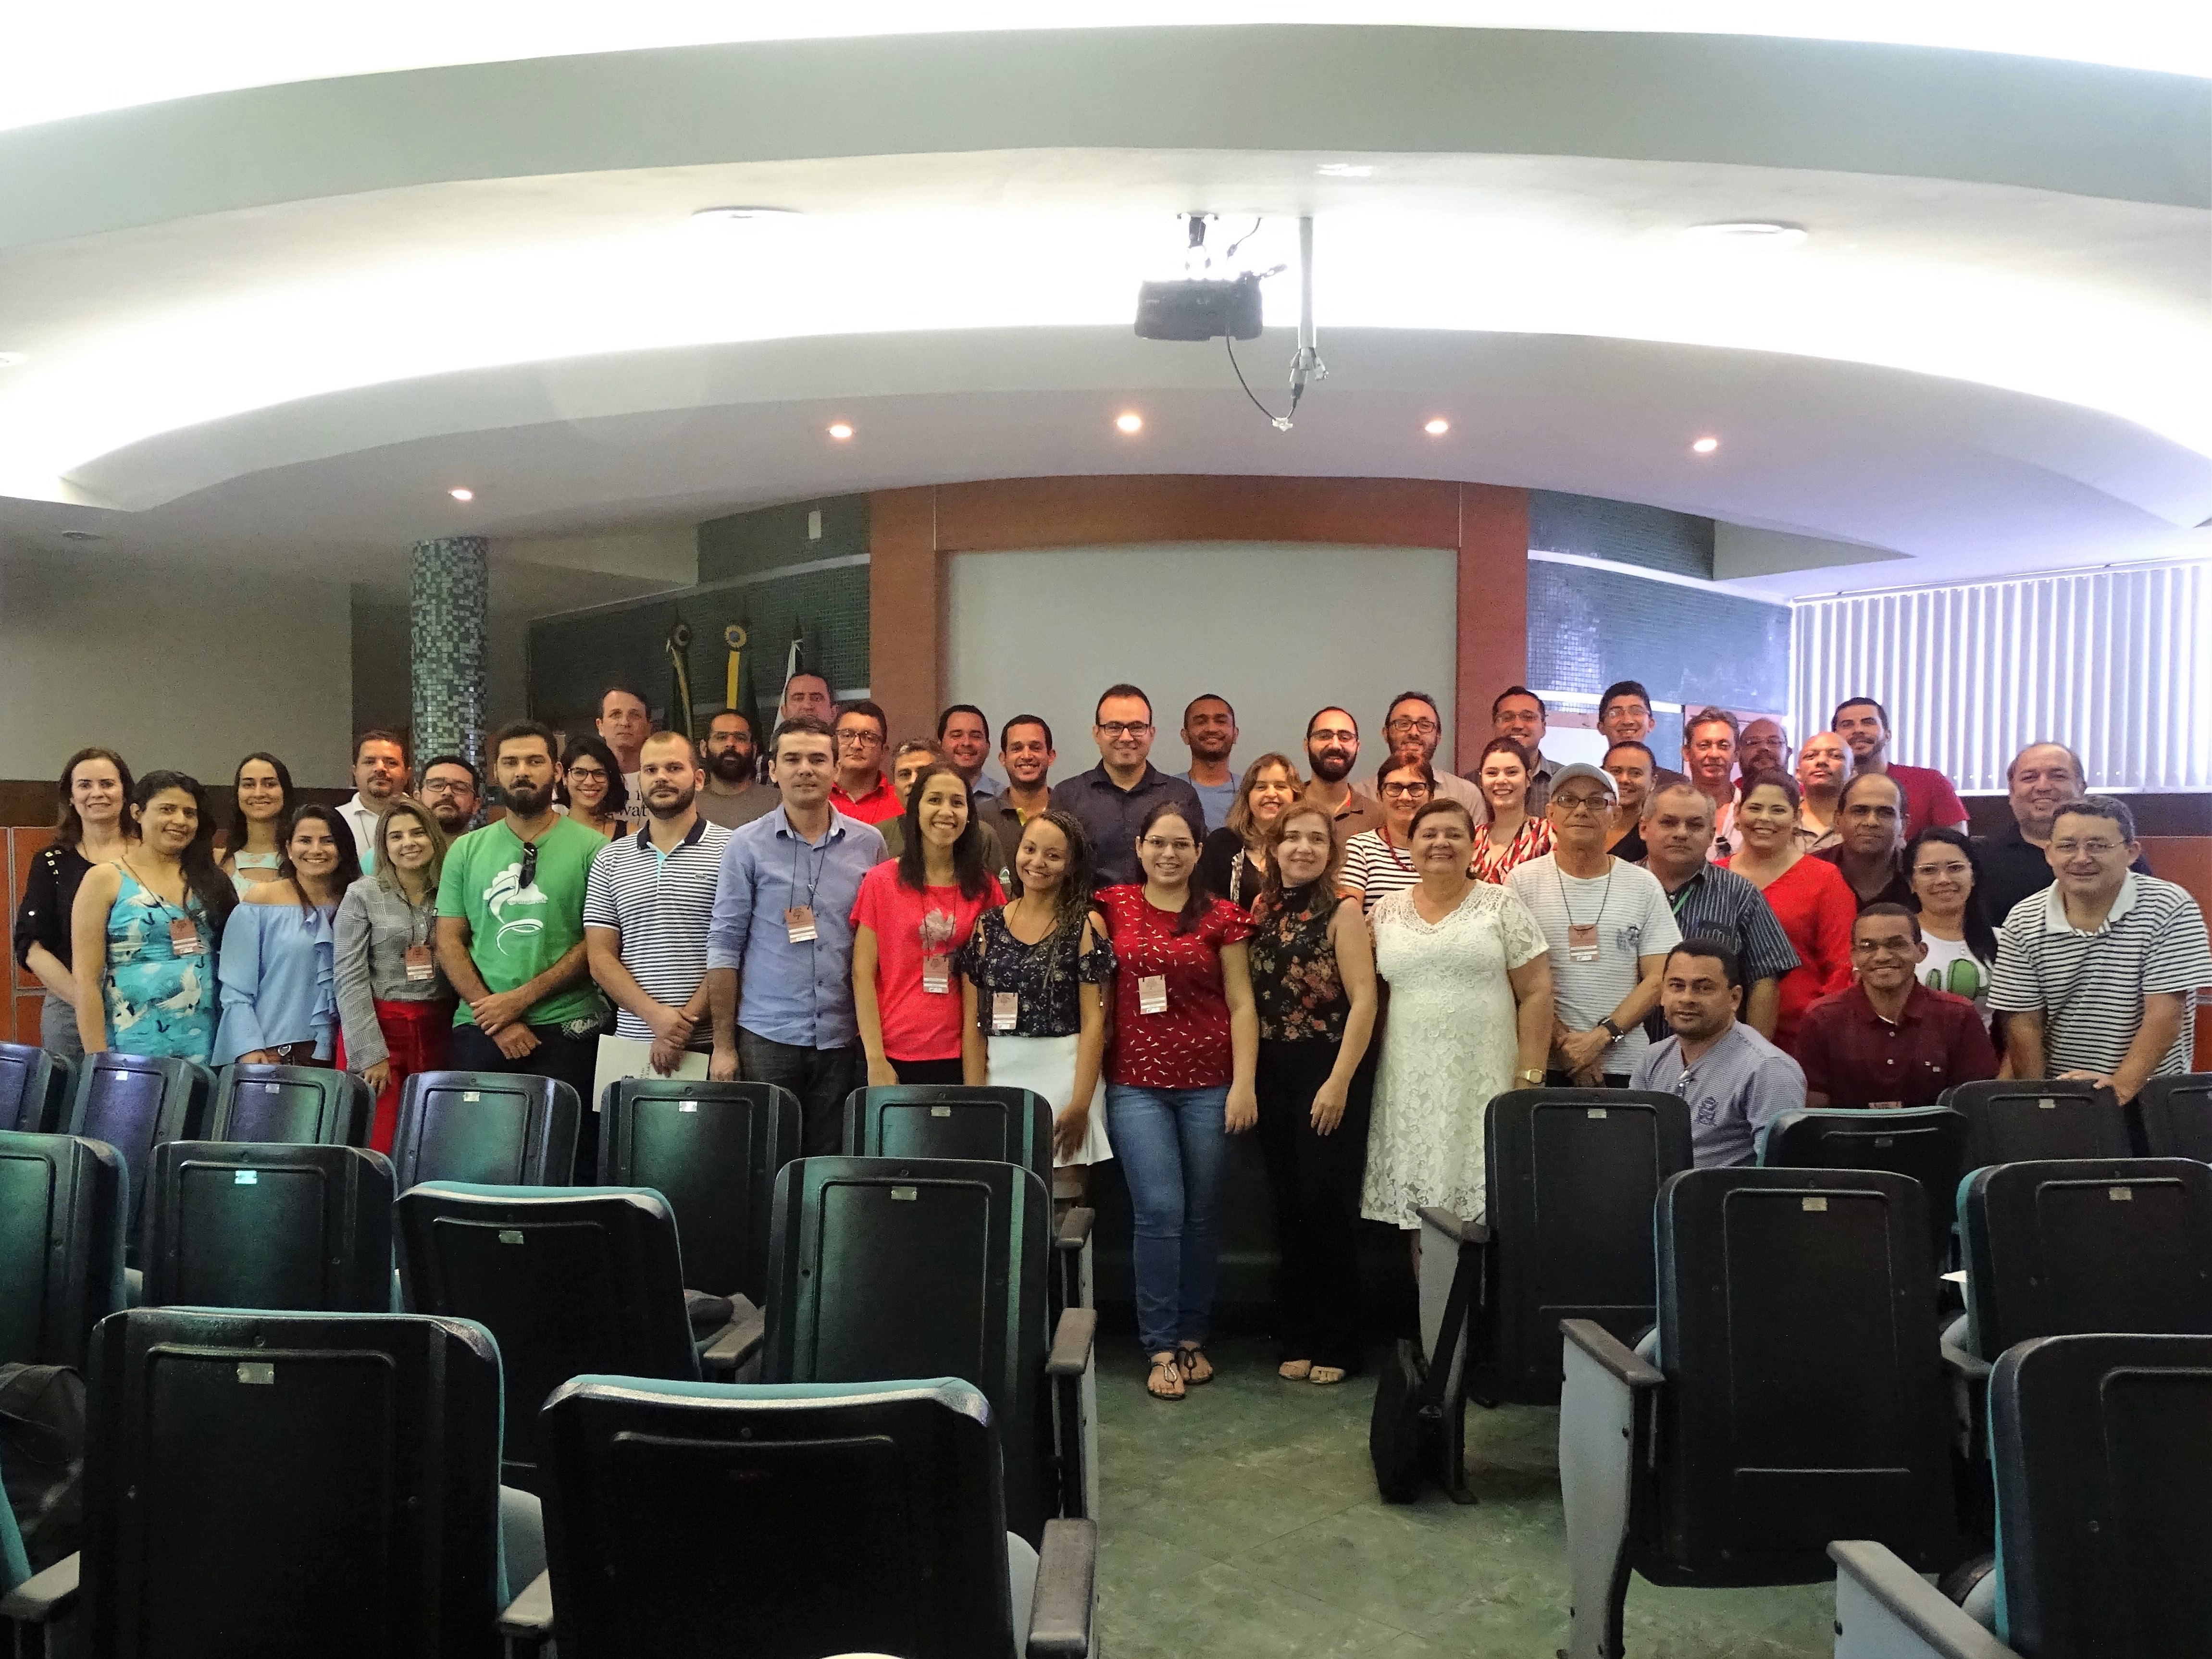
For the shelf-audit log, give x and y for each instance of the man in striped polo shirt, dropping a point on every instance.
(646, 903)
(2098, 973)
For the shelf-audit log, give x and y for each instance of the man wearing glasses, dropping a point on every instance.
(1111, 799)
(862, 791)
(1887, 1039)
(1412, 728)
(2098, 974)
(450, 790)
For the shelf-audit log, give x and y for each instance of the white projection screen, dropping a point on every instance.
(1279, 629)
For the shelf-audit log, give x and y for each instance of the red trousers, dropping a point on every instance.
(416, 1034)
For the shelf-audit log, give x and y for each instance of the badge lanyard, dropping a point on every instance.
(1581, 935)
(421, 965)
(798, 919)
(184, 933)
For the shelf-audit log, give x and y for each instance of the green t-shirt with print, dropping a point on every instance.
(516, 931)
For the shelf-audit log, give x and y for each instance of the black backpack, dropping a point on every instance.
(42, 1458)
(1405, 1437)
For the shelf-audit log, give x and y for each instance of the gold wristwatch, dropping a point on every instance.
(1531, 1078)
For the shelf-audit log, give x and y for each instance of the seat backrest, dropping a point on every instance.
(712, 1150)
(34, 1089)
(1928, 1143)
(1013, 1126)
(61, 1245)
(284, 1228)
(882, 1269)
(567, 1279)
(134, 1103)
(2173, 1116)
(495, 1128)
(2103, 1452)
(1804, 1398)
(822, 1520)
(254, 1480)
(1572, 1175)
(2096, 1244)
(307, 1105)
(2013, 1121)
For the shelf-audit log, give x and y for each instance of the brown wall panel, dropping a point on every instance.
(1084, 511)
(906, 611)
(1493, 609)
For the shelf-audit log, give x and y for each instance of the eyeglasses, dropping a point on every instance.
(1416, 787)
(1956, 869)
(1125, 728)
(587, 774)
(1582, 803)
(2095, 849)
(860, 740)
(1154, 844)
(1876, 947)
(1427, 728)
(445, 787)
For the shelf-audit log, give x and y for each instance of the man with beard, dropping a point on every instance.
(1734, 1078)
(1624, 715)
(1209, 731)
(734, 796)
(379, 773)
(2042, 778)
(451, 790)
(1414, 729)
(1929, 799)
(1111, 800)
(510, 932)
(1764, 748)
(645, 908)
(1331, 750)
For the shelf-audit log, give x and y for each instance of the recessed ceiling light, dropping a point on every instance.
(839, 431)
(738, 215)
(1705, 445)
(1748, 233)
(1438, 427)
(1131, 423)
(461, 494)
(1344, 170)
(11, 359)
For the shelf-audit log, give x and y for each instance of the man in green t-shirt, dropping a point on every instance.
(510, 932)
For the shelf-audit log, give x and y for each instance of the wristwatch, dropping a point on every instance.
(1612, 1030)
(1531, 1078)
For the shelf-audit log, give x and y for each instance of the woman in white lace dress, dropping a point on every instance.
(1469, 1017)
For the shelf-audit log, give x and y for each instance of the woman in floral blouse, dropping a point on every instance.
(1508, 836)
(1313, 984)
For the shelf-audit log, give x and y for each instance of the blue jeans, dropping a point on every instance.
(1172, 1144)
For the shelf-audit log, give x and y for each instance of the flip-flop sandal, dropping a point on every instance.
(1326, 1376)
(1196, 1368)
(1172, 1372)
(1295, 1370)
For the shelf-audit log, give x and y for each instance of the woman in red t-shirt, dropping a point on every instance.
(1809, 896)
(1178, 1078)
(911, 916)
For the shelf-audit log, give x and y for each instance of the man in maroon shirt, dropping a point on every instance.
(1889, 1040)
(1929, 799)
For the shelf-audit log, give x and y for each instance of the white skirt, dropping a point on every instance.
(1048, 1065)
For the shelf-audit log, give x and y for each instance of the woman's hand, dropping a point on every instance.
(881, 1074)
(1069, 1128)
(1244, 1109)
(378, 1077)
(1329, 1106)
(258, 1057)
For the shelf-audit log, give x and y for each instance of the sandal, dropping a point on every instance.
(1326, 1376)
(1295, 1370)
(1165, 1382)
(1196, 1368)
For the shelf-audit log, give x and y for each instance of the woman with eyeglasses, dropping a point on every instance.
(1510, 835)
(1178, 1079)
(262, 804)
(1233, 864)
(1946, 874)
(1809, 896)
(395, 1005)
(1380, 862)
(597, 798)
(279, 1004)
(94, 827)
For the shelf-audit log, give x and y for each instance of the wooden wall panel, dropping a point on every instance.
(2188, 859)
(906, 611)
(1493, 610)
(25, 994)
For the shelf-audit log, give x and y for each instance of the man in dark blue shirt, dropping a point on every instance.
(1112, 799)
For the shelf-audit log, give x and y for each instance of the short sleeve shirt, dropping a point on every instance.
(1854, 1057)
(1375, 865)
(659, 903)
(1929, 799)
(1733, 1089)
(517, 930)
(1044, 979)
(1186, 1046)
(1628, 909)
(910, 928)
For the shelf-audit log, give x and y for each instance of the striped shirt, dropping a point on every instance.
(659, 903)
(2090, 987)
(1374, 867)
(1716, 903)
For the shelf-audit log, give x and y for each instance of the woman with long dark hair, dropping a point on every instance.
(1178, 1080)
(94, 827)
(1946, 874)
(143, 930)
(1033, 980)
(262, 805)
(1808, 895)
(279, 978)
(912, 915)
(395, 1006)
(592, 778)
(1509, 835)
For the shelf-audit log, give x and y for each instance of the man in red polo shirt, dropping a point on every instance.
(1929, 799)
(861, 790)
(1889, 1040)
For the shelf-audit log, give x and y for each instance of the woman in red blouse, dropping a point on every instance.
(1809, 896)
(912, 913)
(1178, 1079)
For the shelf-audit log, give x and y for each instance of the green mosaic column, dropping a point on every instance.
(447, 613)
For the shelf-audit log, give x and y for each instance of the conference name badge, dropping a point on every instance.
(420, 967)
(1006, 1010)
(1153, 994)
(1581, 941)
(185, 936)
(937, 974)
(798, 923)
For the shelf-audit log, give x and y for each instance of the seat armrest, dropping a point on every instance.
(736, 1345)
(528, 1618)
(1067, 1591)
(1453, 1227)
(1970, 1367)
(44, 1596)
(1611, 1352)
(1071, 1341)
(1885, 1610)
(1075, 1228)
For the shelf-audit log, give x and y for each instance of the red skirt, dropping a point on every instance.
(417, 1034)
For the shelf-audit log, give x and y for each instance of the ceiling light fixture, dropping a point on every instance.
(462, 494)
(1748, 233)
(1131, 423)
(1704, 446)
(1438, 427)
(13, 359)
(1344, 170)
(839, 431)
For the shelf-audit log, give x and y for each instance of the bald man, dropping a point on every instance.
(2042, 777)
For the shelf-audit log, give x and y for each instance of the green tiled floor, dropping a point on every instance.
(1243, 1524)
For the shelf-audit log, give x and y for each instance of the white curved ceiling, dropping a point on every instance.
(317, 305)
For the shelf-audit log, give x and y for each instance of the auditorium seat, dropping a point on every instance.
(494, 1128)
(34, 1089)
(1794, 1396)
(309, 1105)
(2102, 1448)
(2011, 1122)
(1571, 1176)
(134, 1103)
(280, 1227)
(568, 1281)
(2173, 1116)
(695, 1521)
(62, 1202)
(260, 1483)
(884, 1269)
(1928, 1143)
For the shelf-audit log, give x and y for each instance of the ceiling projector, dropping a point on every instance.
(1199, 308)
